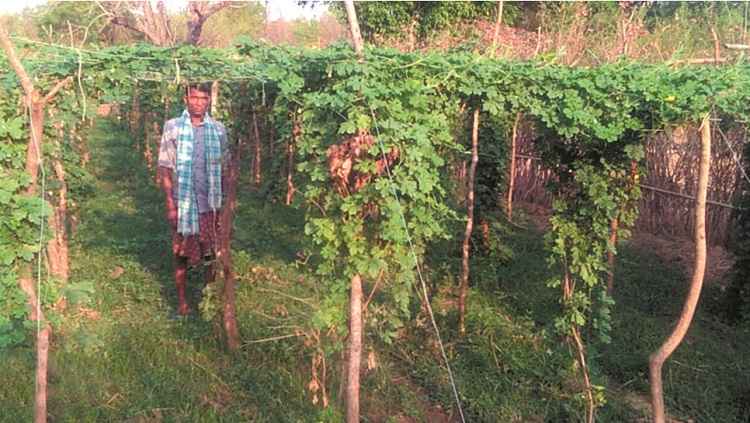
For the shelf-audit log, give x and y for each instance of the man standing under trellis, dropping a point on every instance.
(193, 159)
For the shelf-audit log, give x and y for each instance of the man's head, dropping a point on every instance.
(198, 99)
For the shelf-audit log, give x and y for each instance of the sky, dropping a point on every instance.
(279, 9)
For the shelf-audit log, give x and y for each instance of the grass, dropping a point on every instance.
(120, 355)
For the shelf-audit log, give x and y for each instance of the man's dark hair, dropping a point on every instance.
(204, 87)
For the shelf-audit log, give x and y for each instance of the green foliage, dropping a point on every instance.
(365, 232)
(70, 22)
(20, 237)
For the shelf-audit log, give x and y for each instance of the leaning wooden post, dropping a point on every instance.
(36, 103)
(355, 296)
(658, 358)
(224, 255)
(469, 225)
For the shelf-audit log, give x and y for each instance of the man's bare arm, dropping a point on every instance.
(167, 185)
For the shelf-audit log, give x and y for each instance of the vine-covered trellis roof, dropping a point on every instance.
(597, 103)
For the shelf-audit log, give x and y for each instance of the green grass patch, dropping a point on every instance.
(120, 355)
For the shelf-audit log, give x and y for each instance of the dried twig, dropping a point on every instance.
(273, 338)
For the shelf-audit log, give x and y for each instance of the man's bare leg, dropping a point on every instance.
(180, 277)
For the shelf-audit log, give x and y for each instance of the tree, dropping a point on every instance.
(231, 22)
(198, 12)
(156, 24)
(422, 19)
(74, 23)
(153, 24)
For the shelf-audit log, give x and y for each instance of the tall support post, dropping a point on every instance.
(657, 359)
(464, 290)
(355, 350)
(36, 104)
(224, 255)
(498, 21)
(355, 295)
(512, 171)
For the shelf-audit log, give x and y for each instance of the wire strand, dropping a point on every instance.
(418, 267)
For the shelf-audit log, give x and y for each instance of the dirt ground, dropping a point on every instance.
(681, 252)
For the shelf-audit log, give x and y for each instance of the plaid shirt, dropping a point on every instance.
(177, 151)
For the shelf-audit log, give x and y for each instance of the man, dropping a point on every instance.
(193, 156)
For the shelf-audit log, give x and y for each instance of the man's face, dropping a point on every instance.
(197, 102)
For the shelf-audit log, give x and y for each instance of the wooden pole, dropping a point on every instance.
(657, 359)
(512, 173)
(355, 295)
(469, 225)
(355, 350)
(36, 103)
(224, 255)
(498, 21)
(717, 46)
(351, 14)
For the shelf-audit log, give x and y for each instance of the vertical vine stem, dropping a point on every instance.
(258, 151)
(581, 351)
(614, 226)
(568, 287)
(657, 359)
(290, 160)
(469, 225)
